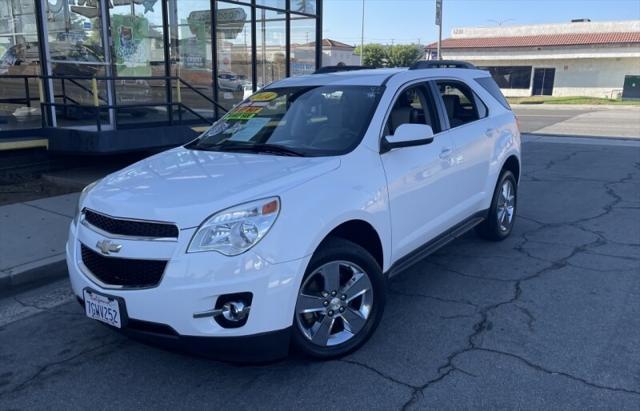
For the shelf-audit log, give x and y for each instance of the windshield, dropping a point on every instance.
(304, 121)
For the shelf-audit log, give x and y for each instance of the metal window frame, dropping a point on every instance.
(49, 119)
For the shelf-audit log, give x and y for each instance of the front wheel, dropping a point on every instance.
(499, 222)
(340, 301)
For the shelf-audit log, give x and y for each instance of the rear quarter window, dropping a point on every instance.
(490, 85)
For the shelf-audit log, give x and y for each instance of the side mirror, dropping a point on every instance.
(407, 135)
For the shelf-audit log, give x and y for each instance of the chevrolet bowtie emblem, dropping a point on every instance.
(107, 247)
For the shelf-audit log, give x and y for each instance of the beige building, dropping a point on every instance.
(581, 58)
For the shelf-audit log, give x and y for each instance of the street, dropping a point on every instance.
(548, 318)
(587, 121)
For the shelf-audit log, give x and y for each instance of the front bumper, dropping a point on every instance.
(264, 347)
(192, 284)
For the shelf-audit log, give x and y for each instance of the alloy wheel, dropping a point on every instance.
(506, 206)
(334, 303)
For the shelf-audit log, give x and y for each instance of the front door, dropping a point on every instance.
(418, 178)
(543, 81)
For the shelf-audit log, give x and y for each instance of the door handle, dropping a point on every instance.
(445, 153)
(490, 132)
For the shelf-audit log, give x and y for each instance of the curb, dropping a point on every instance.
(65, 182)
(577, 107)
(569, 139)
(34, 273)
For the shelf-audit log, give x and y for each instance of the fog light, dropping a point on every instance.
(235, 311)
(230, 311)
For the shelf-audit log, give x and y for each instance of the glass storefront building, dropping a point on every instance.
(114, 75)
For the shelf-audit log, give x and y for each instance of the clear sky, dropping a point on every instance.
(410, 21)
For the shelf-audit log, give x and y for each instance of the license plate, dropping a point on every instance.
(102, 308)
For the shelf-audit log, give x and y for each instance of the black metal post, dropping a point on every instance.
(319, 34)
(26, 91)
(287, 37)
(64, 98)
(47, 115)
(213, 4)
(167, 59)
(254, 52)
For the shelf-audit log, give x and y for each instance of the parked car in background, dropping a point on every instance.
(231, 82)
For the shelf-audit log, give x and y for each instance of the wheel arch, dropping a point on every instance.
(512, 163)
(362, 233)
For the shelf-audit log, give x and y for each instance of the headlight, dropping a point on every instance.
(83, 196)
(235, 230)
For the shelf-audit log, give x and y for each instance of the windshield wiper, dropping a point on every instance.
(256, 148)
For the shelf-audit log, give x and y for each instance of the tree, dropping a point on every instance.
(375, 55)
(403, 55)
(304, 6)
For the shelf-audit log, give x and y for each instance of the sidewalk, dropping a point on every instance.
(32, 239)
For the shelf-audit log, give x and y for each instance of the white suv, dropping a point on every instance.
(283, 221)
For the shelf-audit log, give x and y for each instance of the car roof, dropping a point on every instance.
(367, 77)
(375, 77)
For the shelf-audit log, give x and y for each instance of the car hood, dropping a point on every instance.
(185, 186)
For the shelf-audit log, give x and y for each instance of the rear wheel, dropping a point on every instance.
(499, 222)
(340, 301)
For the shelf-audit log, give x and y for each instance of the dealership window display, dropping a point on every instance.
(133, 63)
(19, 56)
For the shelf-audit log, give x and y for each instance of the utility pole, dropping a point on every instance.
(362, 38)
(439, 24)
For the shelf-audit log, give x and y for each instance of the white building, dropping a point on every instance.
(581, 58)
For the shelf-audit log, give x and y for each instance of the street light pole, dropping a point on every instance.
(439, 23)
(362, 37)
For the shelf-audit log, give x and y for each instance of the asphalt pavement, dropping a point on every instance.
(548, 319)
(586, 121)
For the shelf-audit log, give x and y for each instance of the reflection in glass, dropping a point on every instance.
(303, 45)
(303, 6)
(138, 51)
(234, 53)
(18, 57)
(191, 53)
(278, 4)
(271, 46)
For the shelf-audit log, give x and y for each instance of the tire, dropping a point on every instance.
(357, 274)
(500, 221)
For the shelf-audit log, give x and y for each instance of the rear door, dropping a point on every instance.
(419, 178)
(473, 134)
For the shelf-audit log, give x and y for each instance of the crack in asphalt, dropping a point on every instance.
(562, 373)
(484, 324)
(531, 319)
(433, 297)
(50, 365)
(474, 341)
(55, 308)
(462, 274)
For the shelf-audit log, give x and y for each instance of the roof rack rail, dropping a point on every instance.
(427, 64)
(339, 68)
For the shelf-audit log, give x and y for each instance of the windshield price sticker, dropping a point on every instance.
(264, 96)
(240, 116)
(244, 113)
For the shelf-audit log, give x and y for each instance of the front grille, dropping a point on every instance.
(130, 228)
(123, 272)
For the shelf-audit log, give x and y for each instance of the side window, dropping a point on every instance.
(460, 103)
(411, 107)
(483, 111)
